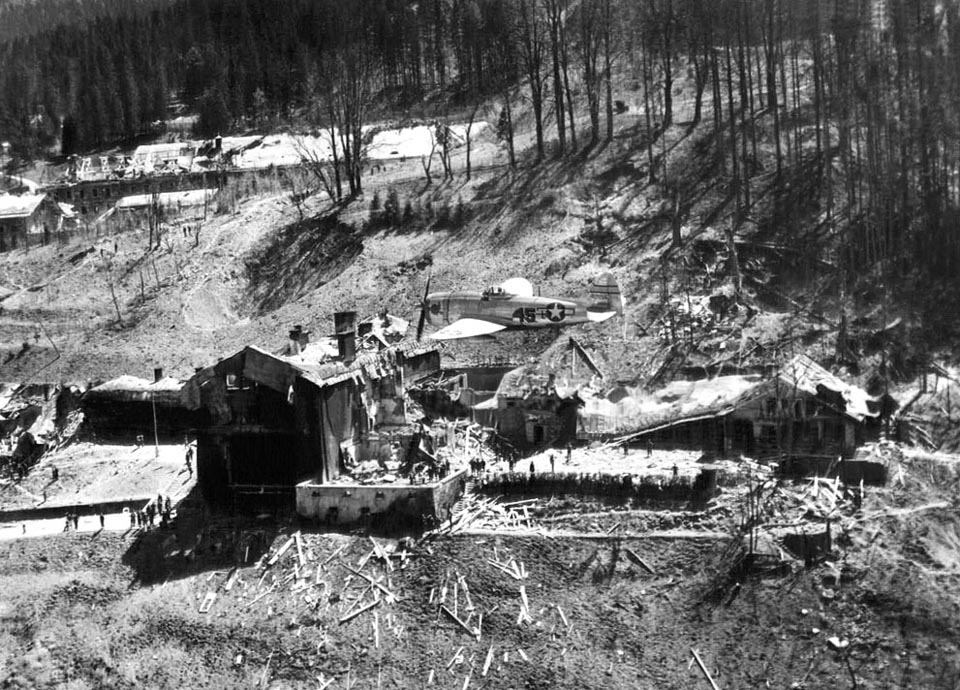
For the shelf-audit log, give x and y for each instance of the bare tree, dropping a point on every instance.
(532, 49)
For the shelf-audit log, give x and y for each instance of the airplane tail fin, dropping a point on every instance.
(606, 298)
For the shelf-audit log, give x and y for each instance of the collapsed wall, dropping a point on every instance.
(33, 418)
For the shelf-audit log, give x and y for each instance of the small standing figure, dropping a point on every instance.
(133, 519)
(676, 471)
(569, 452)
(624, 446)
(100, 515)
(167, 505)
(139, 440)
(66, 527)
(55, 473)
(76, 520)
(189, 458)
(649, 447)
(23, 528)
(532, 468)
(552, 461)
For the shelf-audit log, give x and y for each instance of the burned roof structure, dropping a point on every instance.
(304, 412)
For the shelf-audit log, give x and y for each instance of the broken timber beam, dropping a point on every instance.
(450, 614)
(703, 668)
(633, 556)
(364, 609)
(282, 550)
(391, 597)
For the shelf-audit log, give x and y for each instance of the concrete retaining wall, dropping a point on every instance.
(342, 503)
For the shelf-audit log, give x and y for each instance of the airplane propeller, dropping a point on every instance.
(423, 310)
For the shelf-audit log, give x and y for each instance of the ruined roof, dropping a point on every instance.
(20, 206)
(806, 375)
(685, 401)
(317, 363)
(678, 401)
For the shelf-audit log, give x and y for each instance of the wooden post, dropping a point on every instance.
(116, 305)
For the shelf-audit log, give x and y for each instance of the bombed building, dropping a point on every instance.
(307, 412)
(801, 411)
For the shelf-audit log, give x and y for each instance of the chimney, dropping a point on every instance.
(345, 326)
(157, 374)
(295, 346)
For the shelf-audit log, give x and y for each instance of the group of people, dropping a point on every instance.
(478, 466)
(146, 516)
(73, 520)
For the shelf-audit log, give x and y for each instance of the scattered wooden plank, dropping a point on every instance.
(381, 553)
(207, 602)
(526, 501)
(633, 556)
(391, 597)
(261, 596)
(563, 617)
(500, 566)
(363, 561)
(300, 556)
(450, 614)
(454, 658)
(231, 579)
(282, 550)
(266, 667)
(522, 655)
(486, 664)
(334, 554)
(703, 668)
(466, 681)
(364, 609)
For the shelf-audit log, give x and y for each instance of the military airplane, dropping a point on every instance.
(512, 305)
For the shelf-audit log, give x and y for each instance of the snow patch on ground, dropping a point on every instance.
(386, 144)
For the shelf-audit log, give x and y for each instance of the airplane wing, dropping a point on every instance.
(466, 328)
(600, 316)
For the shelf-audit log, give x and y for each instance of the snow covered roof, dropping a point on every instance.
(127, 388)
(678, 401)
(171, 150)
(806, 375)
(20, 206)
(190, 197)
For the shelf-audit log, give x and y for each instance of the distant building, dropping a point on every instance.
(32, 218)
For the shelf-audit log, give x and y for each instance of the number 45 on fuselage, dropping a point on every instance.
(513, 305)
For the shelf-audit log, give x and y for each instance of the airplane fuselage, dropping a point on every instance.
(511, 311)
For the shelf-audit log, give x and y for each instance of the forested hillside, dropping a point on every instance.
(841, 118)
